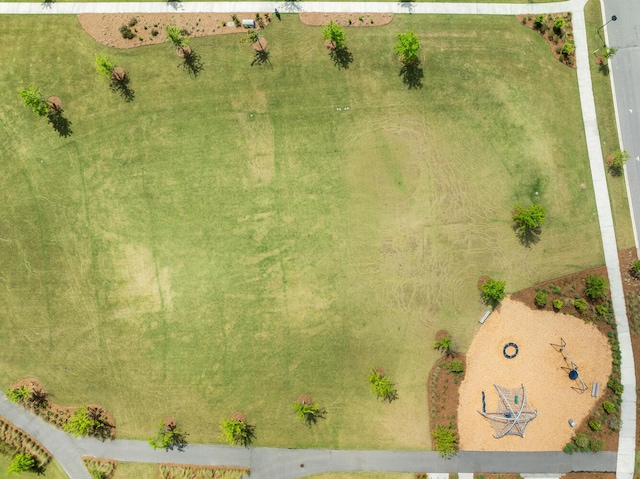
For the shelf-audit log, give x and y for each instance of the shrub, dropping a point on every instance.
(581, 305)
(635, 269)
(538, 22)
(595, 426)
(20, 394)
(557, 304)
(381, 386)
(570, 448)
(492, 291)
(154, 32)
(614, 423)
(582, 441)
(446, 346)
(609, 407)
(126, 32)
(361, 18)
(350, 20)
(602, 309)
(596, 444)
(21, 462)
(456, 366)
(558, 24)
(596, 286)
(446, 441)
(616, 386)
(167, 437)
(568, 48)
(542, 298)
(557, 290)
(133, 21)
(616, 161)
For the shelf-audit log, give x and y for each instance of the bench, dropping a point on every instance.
(484, 317)
(595, 389)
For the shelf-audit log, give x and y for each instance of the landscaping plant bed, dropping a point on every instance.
(555, 37)
(182, 471)
(347, 19)
(105, 28)
(17, 440)
(100, 468)
(58, 415)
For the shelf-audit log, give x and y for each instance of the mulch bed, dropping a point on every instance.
(59, 415)
(105, 28)
(555, 41)
(357, 19)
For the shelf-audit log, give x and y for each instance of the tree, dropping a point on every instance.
(309, 413)
(32, 98)
(85, 421)
(595, 286)
(528, 219)
(167, 437)
(21, 462)
(609, 52)
(237, 432)
(335, 35)
(175, 38)
(616, 161)
(104, 65)
(446, 346)
(492, 291)
(407, 48)
(381, 386)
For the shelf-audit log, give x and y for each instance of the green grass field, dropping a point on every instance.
(230, 241)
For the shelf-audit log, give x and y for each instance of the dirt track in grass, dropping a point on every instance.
(539, 367)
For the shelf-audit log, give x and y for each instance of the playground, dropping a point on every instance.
(540, 367)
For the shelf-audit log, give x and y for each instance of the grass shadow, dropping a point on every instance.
(122, 88)
(341, 57)
(412, 75)
(60, 123)
(261, 57)
(527, 236)
(192, 64)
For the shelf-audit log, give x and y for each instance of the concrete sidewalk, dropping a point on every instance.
(290, 7)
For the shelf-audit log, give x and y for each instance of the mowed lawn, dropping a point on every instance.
(231, 241)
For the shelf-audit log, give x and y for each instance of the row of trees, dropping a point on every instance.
(236, 431)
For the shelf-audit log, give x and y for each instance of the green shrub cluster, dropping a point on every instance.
(446, 440)
(541, 299)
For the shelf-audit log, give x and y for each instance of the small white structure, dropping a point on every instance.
(484, 317)
(248, 24)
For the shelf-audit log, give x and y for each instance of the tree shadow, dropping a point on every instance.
(341, 57)
(261, 57)
(412, 75)
(192, 64)
(47, 3)
(122, 88)
(312, 419)
(175, 4)
(178, 441)
(60, 123)
(527, 236)
(291, 7)
(604, 69)
(250, 435)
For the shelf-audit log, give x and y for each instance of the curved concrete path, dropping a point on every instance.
(285, 463)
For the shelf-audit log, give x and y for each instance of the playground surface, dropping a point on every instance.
(539, 367)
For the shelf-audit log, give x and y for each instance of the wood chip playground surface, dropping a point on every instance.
(539, 367)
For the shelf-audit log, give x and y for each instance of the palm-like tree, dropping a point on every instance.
(177, 40)
(446, 346)
(306, 411)
(236, 431)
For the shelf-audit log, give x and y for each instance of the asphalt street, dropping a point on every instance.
(624, 34)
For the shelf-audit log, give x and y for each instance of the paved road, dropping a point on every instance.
(624, 34)
(286, 463)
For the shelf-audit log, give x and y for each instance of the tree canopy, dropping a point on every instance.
(32, 98)
(335, 34)
(104, 65)
(407, 48)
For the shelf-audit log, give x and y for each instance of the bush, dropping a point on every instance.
(446, 441)
(557, 290)
(539, 21)
(557, 304)
(21, 462)
(614, 423)
(581, 305)
(596, 286)
(558, 24)
(568, 48)
(602, 309)
(133, 22)
(616, 162)
(492, 291)
(635, 269)
(582, 441)
(541, 299)
(20, 394)
(596, 444)
(595, 426)
(154, 32)
(570, 448)
(609, 407)
(616, 386)
(126, 32)
(456, 366)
